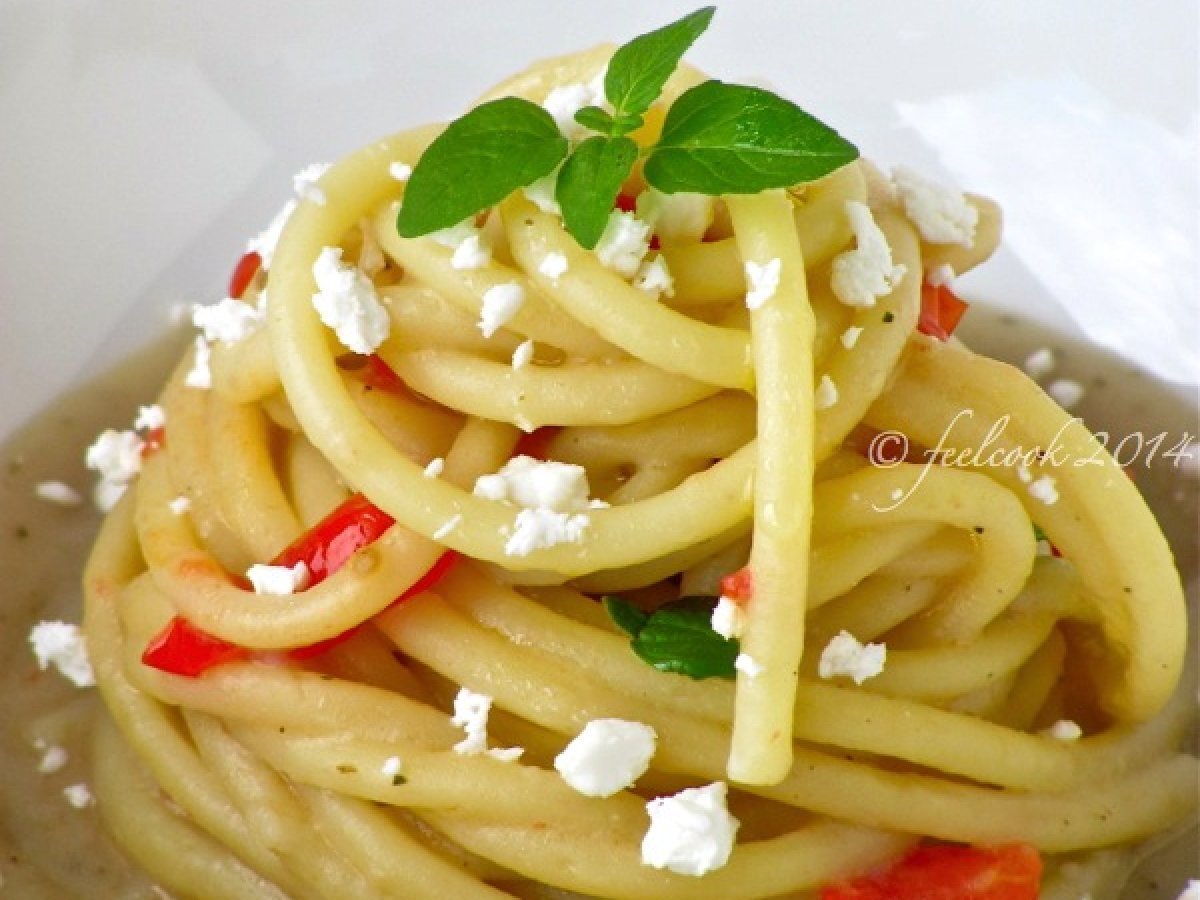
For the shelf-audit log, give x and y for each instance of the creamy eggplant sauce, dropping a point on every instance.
(50, 850)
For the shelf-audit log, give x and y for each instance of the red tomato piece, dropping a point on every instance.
(738, 586)
(941, 311)
(183, 649)
(946, 872)
(243, 273)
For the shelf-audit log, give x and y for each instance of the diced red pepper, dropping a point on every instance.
(243, 273)
(628, 203)
(154, 440)
(379, 375)
(738, 586)
(182, 649)
(537, 442)
(947, 872)
(941, 311)
(326, 546)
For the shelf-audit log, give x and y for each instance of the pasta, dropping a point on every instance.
(715, 438)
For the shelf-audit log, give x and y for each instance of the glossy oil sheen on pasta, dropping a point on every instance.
(696, 422)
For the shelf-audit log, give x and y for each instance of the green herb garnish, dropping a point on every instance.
(677, 637)
(717, 139)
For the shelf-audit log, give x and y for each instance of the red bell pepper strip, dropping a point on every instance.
(183, 649)
(738, 586)
(941, 311)
(379, 375)
(326, 546)
(243, 273)
(947, 872)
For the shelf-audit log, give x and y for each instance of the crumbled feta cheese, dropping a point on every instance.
(400, 171)
(748, 665)
(106, 494)
(435, 468)
(57, 492)
(180, 505)
(347, 302)
(448, 526)
(500, 303)
(522, 355)
(624, 243)
(537, 529)
(454, 235)
(1191, 891)
(531, 482)
(609, 755)
(826, 394)
(199, 376)
(53, 760)
(472, 253)
(471, 714)
(690, 833)
(264, 243)
(116, 456)
(553, 265)
(1064, 730)
(61, 645)
(942, 215)
(305, 184)
(228, 320)
(150, 418)
(1044, 489)
(865, 273)
(506, 754)
(728, 618)
(541, 194)
(845, 655)
(763, 281)
(278, 580)
(655, 278)
(680, 218)
(391, 766)
(79, 795)
(1039, 363)
(564, 101)
(940, 276)
(850, 336)
(1066, 393)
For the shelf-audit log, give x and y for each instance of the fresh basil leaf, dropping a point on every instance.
(678, 637)
(477, 161)
(595, 118)
(638, 70)
(723, 138)
(589, 182)
(625, 615)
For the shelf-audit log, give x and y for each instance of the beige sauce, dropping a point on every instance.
(50, 850)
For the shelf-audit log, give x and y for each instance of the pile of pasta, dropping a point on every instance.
(695, 420)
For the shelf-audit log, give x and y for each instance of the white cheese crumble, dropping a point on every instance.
(541, 194)
(279, 581)
(863, 274)
(392, 766)
(1191, 890)
(1044, 489)
(762, 281)
(448, 526)
(553, 265)
(400, 171)
(690, 833)
(845, 655)
(199, 376)
(79, 795)
(1039, 363)
(609, 755)
(680, 218)
(941, 214)
(54, 758)
(537, 529)
(346, 302)
(228, 320)
(565, 100)
(851, 335)
(1066, 393)
(265, 242)
(1064, 730)
(436, 466)
(522, 355)
(554, 496)
(748, 665)
(58, 492)
(117, 457)
(940, 276)
(506, 754)
(304, 183)
(472, 253)
(180, 505)
(61, 644)
(471, 712)
(150, 418)
(728, 618)
(653, 277)
(624, 243)
(500, 303)
(826, 394)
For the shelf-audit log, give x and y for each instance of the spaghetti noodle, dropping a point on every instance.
(313, 750)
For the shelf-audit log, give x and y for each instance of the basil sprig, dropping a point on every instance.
(717, 139)
(677, 637)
